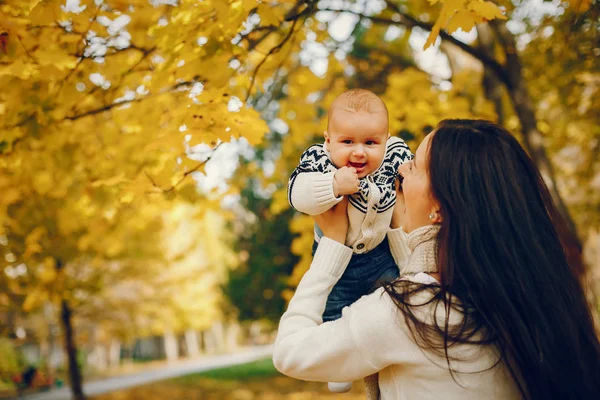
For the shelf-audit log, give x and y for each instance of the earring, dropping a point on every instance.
(431, 216)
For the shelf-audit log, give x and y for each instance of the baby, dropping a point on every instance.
(360, 160)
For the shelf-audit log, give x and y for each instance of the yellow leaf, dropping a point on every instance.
(486, 10)
(249, 4)
(448, 9)
(48, 271)
(32, 241)
(269, 15)
(69, 221)
(10, 196)
(56, 58)
(20, 69)
(112, 181)
(33, 3)
(114, 247)
(280, 202)
(84, 242)
(464, 20)
(188, 192)
(43, 182)
(34, 299)
(45, 13)
(580, 6)
(435, 31)
(456, 14)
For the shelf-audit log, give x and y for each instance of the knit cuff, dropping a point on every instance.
(397, 239)
(323, 190)
(331, 257)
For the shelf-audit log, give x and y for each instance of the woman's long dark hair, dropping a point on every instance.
(501, 256)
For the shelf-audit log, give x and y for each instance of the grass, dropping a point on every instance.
(258, 380)
(254, 370)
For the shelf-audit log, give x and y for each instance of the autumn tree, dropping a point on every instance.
(102, 105)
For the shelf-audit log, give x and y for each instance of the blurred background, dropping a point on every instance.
(145, 148)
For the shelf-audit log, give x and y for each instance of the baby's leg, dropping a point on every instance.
(346, 291)
(385, 268)
(365, 273)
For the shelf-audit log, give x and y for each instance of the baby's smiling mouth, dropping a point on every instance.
(357, 165)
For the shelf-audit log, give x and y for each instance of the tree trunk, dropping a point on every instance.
(533, 140)
(114, 353)
(492, 86)
(171, 346)
(99, 357)
(217, 330)
(232, 336)
(71, 350)
(191, 343)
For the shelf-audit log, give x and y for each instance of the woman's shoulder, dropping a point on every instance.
(422, 277)
(380, 307)
(421, 292)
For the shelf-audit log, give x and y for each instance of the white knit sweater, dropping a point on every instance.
(372, 336)
(310, 191)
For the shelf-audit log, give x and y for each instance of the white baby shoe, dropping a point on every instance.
(339, 387)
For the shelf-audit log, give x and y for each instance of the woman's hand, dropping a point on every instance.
(398, 214)
(334, 222)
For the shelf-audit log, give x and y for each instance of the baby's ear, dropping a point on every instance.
(326, 136)
(389, 134)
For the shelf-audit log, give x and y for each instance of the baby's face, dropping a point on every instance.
(357, 140)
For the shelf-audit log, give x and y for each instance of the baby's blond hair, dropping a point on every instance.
(357, 100)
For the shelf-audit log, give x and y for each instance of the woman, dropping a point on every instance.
(488, 307)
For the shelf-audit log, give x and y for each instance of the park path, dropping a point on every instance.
(160, 373)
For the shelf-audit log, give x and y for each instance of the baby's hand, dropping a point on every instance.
(398, 214)
(345, 181)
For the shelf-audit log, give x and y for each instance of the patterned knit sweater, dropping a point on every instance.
(372, 339)
(310, 190)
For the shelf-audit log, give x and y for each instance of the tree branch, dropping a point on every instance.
(81, 59)
(121, 103)
(292, 15)
(480, 55)
(27, 51)
(411, 22)
(272, 51)
(185, 174)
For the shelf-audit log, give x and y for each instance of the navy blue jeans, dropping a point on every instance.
(365, 273)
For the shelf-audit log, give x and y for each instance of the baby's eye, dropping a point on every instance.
(371, 142)
(347, 141)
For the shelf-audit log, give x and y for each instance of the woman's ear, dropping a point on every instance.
(434, 216)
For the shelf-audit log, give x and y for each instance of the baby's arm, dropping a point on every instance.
(312, 192)
(310, 188)
(396, 235)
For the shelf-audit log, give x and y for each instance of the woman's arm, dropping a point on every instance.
(352, 347)
(349, 348)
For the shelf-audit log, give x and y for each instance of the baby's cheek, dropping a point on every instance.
(338, 159)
